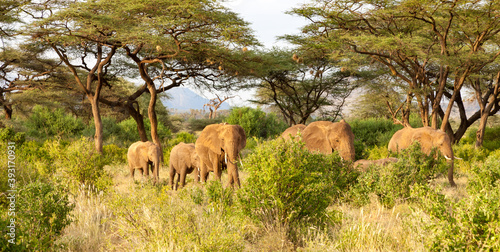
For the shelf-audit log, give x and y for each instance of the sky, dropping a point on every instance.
(268, 20)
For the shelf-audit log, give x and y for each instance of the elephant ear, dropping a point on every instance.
(242, 136)
(210, 139)
(315, 138)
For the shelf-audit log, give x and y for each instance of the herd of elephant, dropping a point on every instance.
(218, 147)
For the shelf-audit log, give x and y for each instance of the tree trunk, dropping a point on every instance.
(153, 119)
(98, 137)
(139, 119)
(8, 111)
(481, 129)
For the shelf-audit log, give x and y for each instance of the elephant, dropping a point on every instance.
(428, 138)
(326, 137)
(217, 143)
(183, 160)
(141, 155)
(364, 164)
(292, 131)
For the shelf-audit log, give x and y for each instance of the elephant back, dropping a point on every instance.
(292, 131)
(315, 137)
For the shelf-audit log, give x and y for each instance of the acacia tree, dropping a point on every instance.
(169, 42)
(215, 104)
(302, 85)
(432, 46)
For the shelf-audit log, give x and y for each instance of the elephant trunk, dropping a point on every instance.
(232, 164)
(156, 168)
(347, 151)
(450, 157)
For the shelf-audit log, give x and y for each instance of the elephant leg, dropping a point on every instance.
(171, 175)
(183, 177)
(196, 175)
(450, 174)
(132, 171)
(215, 166)
(203, 172)
(233, 178)
(177, 181)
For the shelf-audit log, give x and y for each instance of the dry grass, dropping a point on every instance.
(170, 221)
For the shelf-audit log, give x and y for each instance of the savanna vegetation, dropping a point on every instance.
(80, 81)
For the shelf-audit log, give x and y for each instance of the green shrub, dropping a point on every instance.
(42, 212)
(79, 163)
(256, 122)
(124, 133)
(370, 133)
(290, 186)
(115, 154)
(218, 195)
(200, 124)
(490, 141)
(392, 183)
(472, 223)
(44, 122)
(9, 135)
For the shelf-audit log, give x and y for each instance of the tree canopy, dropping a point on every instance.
(431, 46)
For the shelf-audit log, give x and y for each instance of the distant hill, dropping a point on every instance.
(183, 99)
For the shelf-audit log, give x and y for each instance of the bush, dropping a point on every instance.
(490, 141)
(78, 163)
(42, 212)
(474, 222)
(392, 183)
(125, 133)
(256, 122)
(9, 135)
(370, 133)
(200, 124)
(115, 154)
(44, 123)
(290, 186)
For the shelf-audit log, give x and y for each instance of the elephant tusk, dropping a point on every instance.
(225, 157)
(241, 163)
(447, 158)
(458, 158)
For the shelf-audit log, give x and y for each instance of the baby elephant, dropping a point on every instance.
(183, 160)
(364, 164)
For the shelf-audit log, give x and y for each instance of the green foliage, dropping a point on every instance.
(44, 122)
(474, 221)
(115, 154)
(288, 185)
(256, 122)
(9, 135)
(392, 183)
(81, 164)
(223, 197)
(125, 133)
(42, 212)
(490, 141)
(371, 132)
(200, 124)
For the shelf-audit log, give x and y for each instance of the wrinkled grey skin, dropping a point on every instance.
(183, 160)
(364, 164)
(142, 156)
